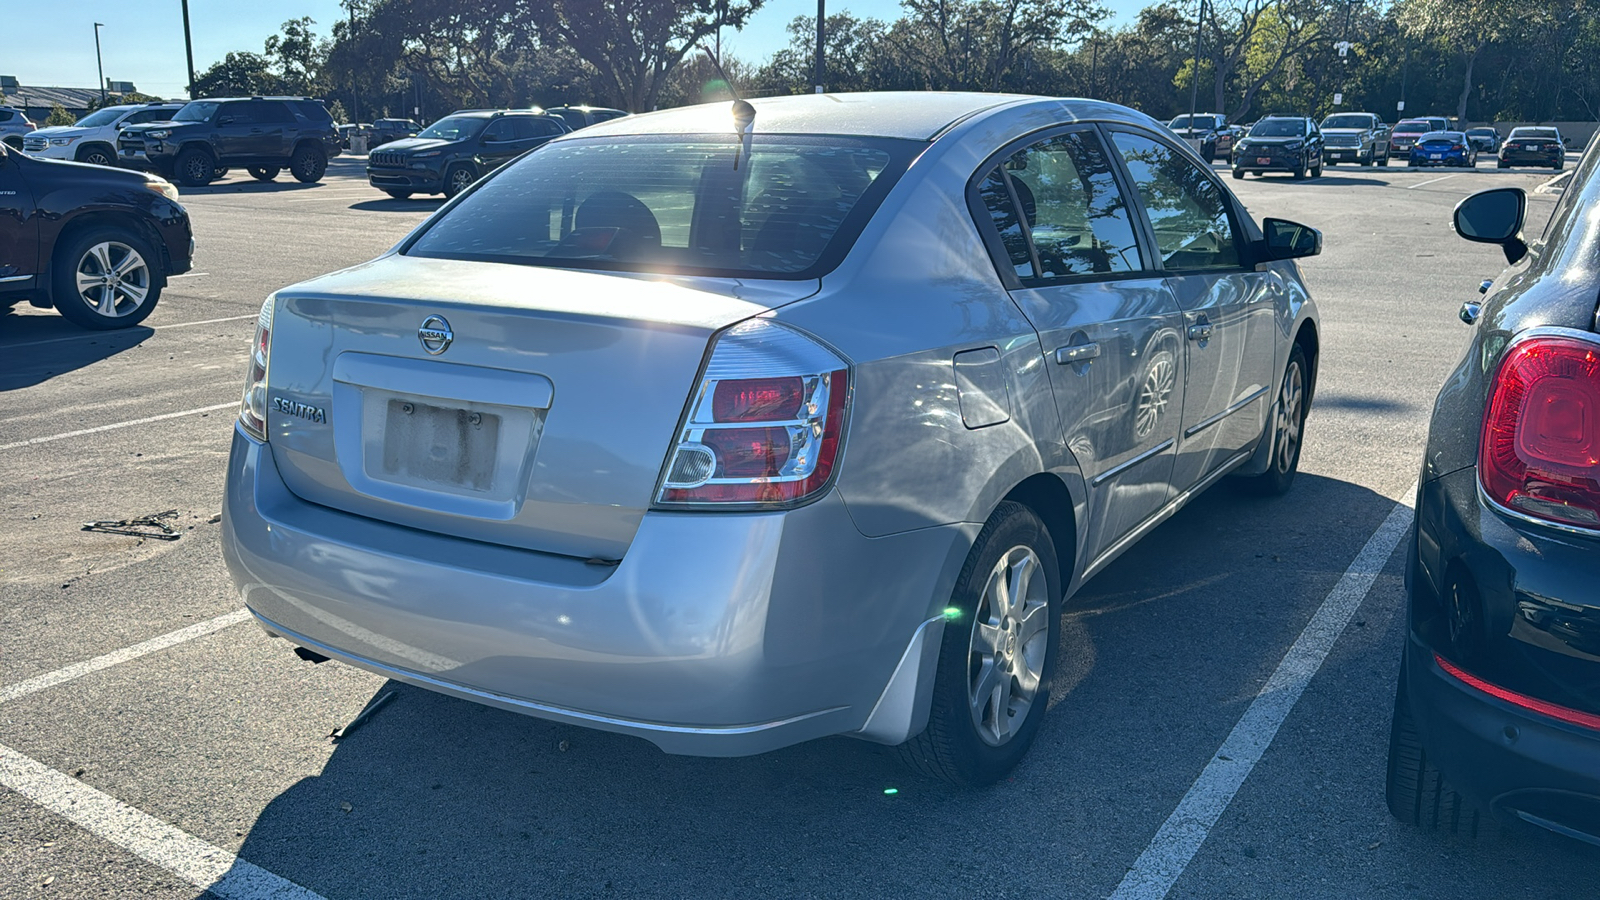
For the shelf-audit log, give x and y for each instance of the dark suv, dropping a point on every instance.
(1290, 144)
(96, 243)
(452, 153)
(264, 134)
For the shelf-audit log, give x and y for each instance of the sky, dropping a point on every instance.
(142, 40)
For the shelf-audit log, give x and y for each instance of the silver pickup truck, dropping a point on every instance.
(1359, 137)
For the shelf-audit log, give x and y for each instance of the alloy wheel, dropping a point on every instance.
(1289, 419)
(98, 158)
(1010, 640)
(460, 180)
(113, 279)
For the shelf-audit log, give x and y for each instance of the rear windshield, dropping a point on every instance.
(1414, 127)
(1441, 136)
(676, 203)
(1347, 122)
(1535, 133)
(1482, 132)
(1278, 128)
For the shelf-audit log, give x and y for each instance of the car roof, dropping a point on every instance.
(914, 115)
(491, 113)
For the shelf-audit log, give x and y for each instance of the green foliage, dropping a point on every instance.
(237, 75)
(337, 111)
(59, 116)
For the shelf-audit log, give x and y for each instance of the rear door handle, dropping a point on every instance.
(1077, 353)
(1200, 331)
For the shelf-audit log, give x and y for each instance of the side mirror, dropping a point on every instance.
(1290, 240)
(1494, 217)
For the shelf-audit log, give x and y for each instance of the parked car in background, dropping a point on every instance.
(1534, 146)
(1485, 140)
(452, 153)
(94, 138)
(576, 447)
(14, 126)
(1359, 137)
(1210, 130)
(385, 131)
(1497, 712)
(1406, 131)
(1290, 144)
(98, 244)
(583, 116)
(1443, 148)
(263, 134)
(348, 130)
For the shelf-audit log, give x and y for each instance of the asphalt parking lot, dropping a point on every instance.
(152, 739)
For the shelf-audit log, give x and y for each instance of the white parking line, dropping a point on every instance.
(1157, 869)
(189, 275)
(203, 865)
(88, 666)
(1412, 187)
(90, 334)
(112, 427)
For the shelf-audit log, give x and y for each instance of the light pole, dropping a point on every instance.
(188, 48)
(101, 69)
(1194, 74)
(822, 14)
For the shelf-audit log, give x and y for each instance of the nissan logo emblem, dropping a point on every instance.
(435, 335)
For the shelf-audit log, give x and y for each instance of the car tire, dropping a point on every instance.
(97, 155)
(194, 167)
(1287, 434)
(1239, 174)
(264, 173)
(12, 141)
(1316, 171)
(1385, 161)
(308, 164)
(399, 195)
(85, 258)
(1502, 164)
(458, 178)
(993, 649)
(1416, 791)
(1560, 164)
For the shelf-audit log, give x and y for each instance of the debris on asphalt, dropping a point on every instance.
(345, 807)
(215, 518)
(339, 734)
(1374, 845)
(562, 746)
(139, 526)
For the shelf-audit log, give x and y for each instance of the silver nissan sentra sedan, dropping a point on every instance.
(733, 428)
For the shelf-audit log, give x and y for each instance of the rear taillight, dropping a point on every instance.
(765, 424)
(253, 405)
(1457, 147)
(1539, 454)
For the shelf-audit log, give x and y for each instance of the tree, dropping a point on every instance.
(59, 116)
(853, 56)
(1465, 27)
(635, 44)
(237, 75)
(299, 57)
(978, 44)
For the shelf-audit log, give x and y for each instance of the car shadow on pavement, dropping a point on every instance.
(434, 796)
(390, 204)
(34, 349)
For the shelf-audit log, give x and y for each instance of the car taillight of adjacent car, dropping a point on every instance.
(1539, 453)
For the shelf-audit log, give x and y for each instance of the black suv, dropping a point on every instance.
(96, 243)
(452, 153)
(264, 134)
(1290, 144)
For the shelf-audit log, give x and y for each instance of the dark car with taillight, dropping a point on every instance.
(452, 153)
(1498, 709)
(96, 243)
(1487, 140)
(1534, 146)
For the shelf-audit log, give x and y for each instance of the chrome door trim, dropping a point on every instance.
(10, 278)
(1114, 471)
(1173, 505)
(1198, 427)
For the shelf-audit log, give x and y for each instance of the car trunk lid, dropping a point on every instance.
(522, 405)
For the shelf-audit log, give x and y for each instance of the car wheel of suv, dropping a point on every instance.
(264, 173)
(399, 195)
(97, 155)
(1417, 792)
(194, 168)
(104, 278)
(309, 163)
(1316, 170)
(1385, 161)
(13, 142)
(1288, 423)
(1001, 638)
(1239, 174)
(458, 179)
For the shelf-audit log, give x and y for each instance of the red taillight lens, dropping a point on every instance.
(253, 404)
(1533, 704)
(1540, 449)
(1457, 147)
(765, 425)
(757, 399)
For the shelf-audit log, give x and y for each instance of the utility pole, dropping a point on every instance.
(1194, 75)
(355, 91)
(97, 64)
(188, 48)
(821, 26)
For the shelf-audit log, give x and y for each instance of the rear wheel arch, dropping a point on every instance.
(1048, 496)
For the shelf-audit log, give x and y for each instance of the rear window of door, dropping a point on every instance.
(500, 131)
(1188, 211)
(271, 112)
(1059, 211)
(149, 115)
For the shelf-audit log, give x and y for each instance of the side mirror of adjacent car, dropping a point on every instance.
(1289, 240)
(1495, 217)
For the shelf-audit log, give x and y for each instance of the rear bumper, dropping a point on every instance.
(716, 635)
